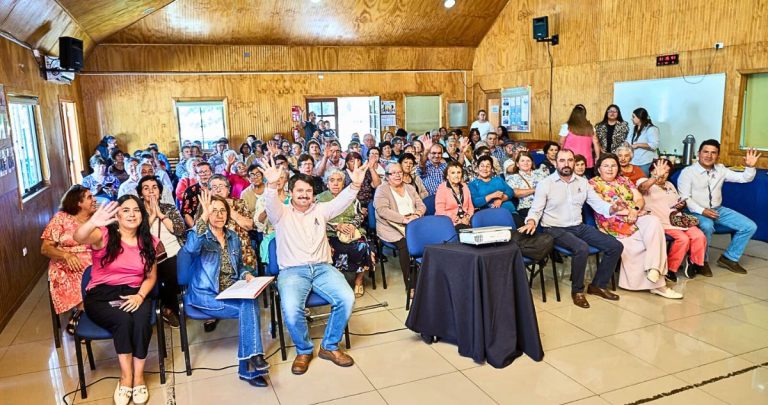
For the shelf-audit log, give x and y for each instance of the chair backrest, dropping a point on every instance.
(430, 230)
(588, 215)
(429, 201)
(185, 263)
(493, 217)
(371, 216)
(272, 268)
(86, 279)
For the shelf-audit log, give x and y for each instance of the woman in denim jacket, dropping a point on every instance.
(216, 259)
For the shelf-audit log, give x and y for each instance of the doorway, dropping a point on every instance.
(494, 109)
(74, 151)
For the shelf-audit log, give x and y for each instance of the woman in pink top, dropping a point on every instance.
(581, 138)
(123, 274)
(661, 198)
(237, 174)
(453, 199)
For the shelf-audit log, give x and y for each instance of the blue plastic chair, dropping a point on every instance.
(429, 202)
(502, 217)
(313, 300)
(86, 330)
(431, 230)
(378, 244)
(185, 265)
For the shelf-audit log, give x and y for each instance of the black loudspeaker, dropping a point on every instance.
(541, 27)
(71, 53)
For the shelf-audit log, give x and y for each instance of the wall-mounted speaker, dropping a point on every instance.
(540, 27)
(71, 53)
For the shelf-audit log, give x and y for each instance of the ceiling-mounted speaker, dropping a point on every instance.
(71, 53)
(541, 27)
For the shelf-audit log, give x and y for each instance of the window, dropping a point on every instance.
(27, 144)
(422, 113)
(325, 109)
(202, 121)
(755, 113)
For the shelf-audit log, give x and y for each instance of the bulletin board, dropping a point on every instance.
(516, 109)
(8, 181)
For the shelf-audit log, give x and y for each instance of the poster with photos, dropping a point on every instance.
(4, 124)
(516, 109)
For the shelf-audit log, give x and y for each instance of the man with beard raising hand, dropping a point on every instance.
(557, 207)
(304, 258)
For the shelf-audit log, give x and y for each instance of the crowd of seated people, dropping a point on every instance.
(313, 197)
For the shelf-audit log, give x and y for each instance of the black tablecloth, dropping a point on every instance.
(478, 298)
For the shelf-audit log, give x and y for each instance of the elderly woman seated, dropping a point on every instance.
(351, 251)
(644, 259)
(218, 260)
(102, 184)
(664, 202)
(452, 198)
(489, 191)
(396, 205)
(627, 169)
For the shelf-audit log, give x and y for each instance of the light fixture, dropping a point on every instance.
(315, 1)
(320, 76)
(449, 3)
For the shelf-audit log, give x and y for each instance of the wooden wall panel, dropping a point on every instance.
(336, 22)
(22, 228)
(139, 109)
(263, 58)
(626, 37)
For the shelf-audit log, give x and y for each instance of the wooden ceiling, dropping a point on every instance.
(310, 22)
(102, 18)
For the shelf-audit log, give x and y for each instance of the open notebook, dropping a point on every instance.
(245, 290)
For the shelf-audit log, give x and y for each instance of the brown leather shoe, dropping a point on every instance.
(580, 300)
(338, 357)
(301, 364)
(602, 292)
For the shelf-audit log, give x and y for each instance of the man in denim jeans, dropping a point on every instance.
(702, 185)
(304, 258)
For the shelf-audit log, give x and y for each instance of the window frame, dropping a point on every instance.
(741, 120)
(35, 113)
(201, 101)
(321, 100)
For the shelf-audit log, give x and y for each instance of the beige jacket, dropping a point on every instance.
(386, 211)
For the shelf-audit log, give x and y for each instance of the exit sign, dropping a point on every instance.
(664, 60)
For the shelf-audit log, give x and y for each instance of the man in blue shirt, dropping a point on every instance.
(432, 172)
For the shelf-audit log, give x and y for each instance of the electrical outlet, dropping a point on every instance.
(24, 251)
(719, 45)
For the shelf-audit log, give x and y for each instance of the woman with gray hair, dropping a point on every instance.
(189, 179)
(240, 219)
(351, 251)
(626, 168)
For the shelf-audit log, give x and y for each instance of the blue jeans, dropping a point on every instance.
(295, 284)
(247, 313)
(730, 221)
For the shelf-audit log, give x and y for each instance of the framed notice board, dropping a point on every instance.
(516, 109)
(8, 181)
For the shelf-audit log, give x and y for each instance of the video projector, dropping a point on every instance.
(485, 235)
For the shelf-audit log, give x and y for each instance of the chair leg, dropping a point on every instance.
(261, 272)
(272, 309)
(89, 351)
(280, 332)
(346, 337)
(184, 338)
(554, 274)
(161, 350)
(541, 278)
(56, 322)
(80, 367)
(408, 286)
(372, 276)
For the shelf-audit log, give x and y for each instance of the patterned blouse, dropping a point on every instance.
(226, 271)
(521, 180)
(352, 215)
(617, 190)
(249, 256)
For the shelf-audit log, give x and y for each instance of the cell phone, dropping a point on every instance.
(116, 303)
(681, 200)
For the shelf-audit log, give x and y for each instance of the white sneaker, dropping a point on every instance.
(653, 275)
(667, 293)
(140, 394)
(122, 394)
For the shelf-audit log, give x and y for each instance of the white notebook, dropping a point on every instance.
(245, 290)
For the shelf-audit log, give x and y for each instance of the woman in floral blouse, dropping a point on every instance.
(524, 180)
(644, 259)
(240, 219)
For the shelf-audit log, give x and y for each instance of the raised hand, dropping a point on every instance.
(273, 149)
(270, 171)
(105, 215)
(661, 168)
(427, 142)
(358, 175)
(750, 160)
(231, 159)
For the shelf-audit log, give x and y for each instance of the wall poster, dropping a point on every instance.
(516, 109)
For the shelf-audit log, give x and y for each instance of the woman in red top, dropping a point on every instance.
(452, 198)
(123, 274)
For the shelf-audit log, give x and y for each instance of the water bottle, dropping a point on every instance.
(689, 143)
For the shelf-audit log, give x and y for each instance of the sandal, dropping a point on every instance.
(359, 291)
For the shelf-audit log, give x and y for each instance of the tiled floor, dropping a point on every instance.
(614, 353)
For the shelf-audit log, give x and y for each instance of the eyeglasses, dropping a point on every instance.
(395, 173)
(612, 112)
(254, 174)
(221, 211)
(219, 187)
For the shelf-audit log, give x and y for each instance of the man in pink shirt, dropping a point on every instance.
(304, 258)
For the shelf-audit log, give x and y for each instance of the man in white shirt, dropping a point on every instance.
(482, 124)
(304, 258)
(331, 160)
(557, 209)
(702, 185)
